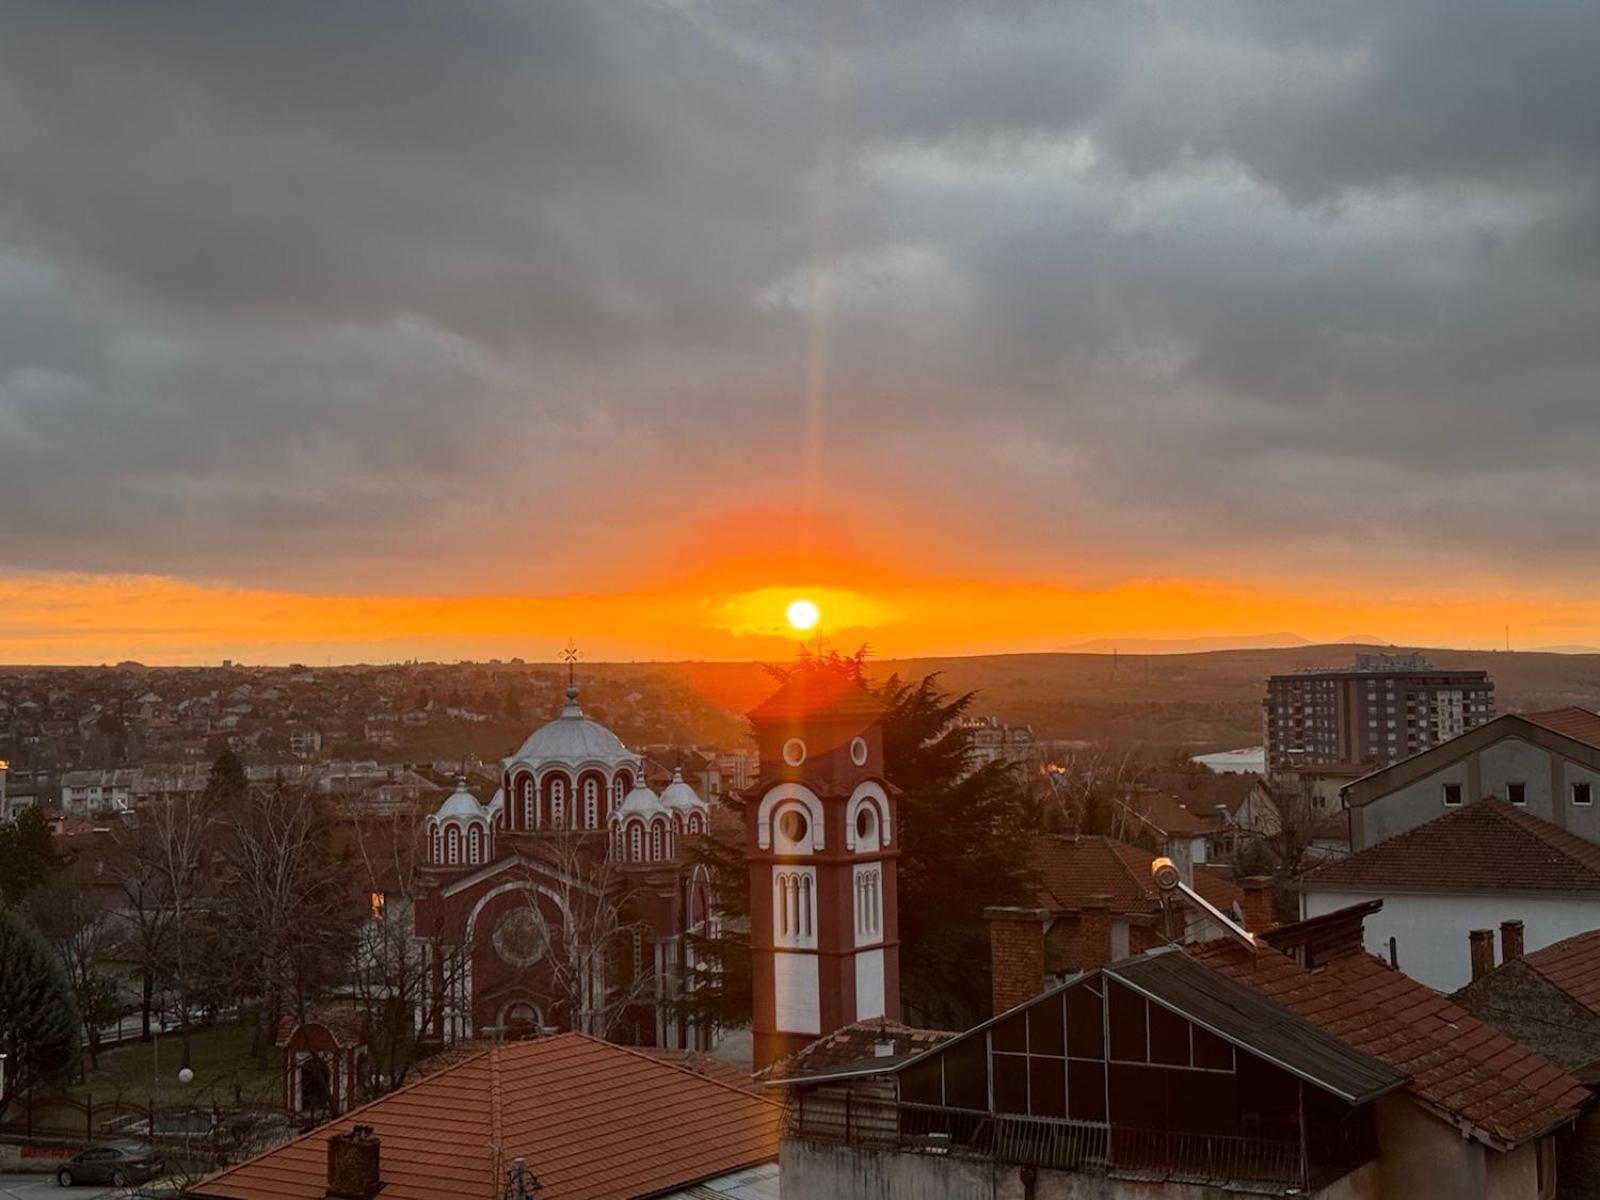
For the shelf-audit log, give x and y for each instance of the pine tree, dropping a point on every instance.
(227, 784)
(38, 1018)
(28, 857)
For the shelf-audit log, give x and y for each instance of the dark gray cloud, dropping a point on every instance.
(453, 294)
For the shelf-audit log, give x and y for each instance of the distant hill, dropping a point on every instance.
(1254, 641)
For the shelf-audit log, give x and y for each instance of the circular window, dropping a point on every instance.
(858, 751)
(519, 938)
(794, 752)
(866, 825)
(792, 826)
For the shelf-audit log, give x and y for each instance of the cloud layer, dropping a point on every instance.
(555, 296)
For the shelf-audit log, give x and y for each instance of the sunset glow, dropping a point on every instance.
(803, 615)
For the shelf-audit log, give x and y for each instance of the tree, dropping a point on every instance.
(38, 1019)
(228, 782)
(28, 856)
(80, 930)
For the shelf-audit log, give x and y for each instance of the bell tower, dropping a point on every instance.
(820, 840)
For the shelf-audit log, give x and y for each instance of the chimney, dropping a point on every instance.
(1016, 954)
(353, 1165)
(1094, 932)
(1482, 942)
(1510, 940)
(1256, 907)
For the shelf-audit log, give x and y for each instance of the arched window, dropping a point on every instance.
(438, 845)
(657, 849)
(452, 846)
(636, 841)
(695, 823)
(475, 844)
(591, 803)
(805, 906)
(558, 802)
(620, 787)
(526, 809)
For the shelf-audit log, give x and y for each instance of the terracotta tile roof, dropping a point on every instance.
(1488, 844)
(1073, 867)
(1170, 816)
(343, 1022)
(594, 1122)
(697, 1063)
(854, 1043)
(1573, 965)
(1457, 1064)
(1579, 724)
(815, 693)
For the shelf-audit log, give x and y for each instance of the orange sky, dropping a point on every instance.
(83, 619)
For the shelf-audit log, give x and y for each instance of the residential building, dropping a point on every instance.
(1470, 868)
(1383, 709)
(559, 1118)
(1194, 1073)
(990, 740)
(1546, 763)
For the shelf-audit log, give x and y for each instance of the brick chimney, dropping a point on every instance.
(1510, 940)
(1016, 954)
(1094, 932)
(353, 1165)
(1482, 943)
(1256, 907)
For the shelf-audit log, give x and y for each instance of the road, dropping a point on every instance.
(37, 1187)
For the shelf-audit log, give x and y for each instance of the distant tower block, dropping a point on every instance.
(821, 838)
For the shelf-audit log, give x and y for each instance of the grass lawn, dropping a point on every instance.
(220, 1056)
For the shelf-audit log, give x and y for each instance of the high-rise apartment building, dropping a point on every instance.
(1384, 708)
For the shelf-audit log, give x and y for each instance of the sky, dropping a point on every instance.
(381, 330)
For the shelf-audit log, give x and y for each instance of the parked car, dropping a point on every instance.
(118, 1163)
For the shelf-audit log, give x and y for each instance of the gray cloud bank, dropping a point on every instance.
(448, 295)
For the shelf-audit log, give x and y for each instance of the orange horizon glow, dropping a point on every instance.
(74, 619)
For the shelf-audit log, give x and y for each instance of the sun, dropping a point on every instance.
(803, 615)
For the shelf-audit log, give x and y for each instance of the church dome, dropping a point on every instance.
(641, 802)
(680, 797)
(460, 803)
(573, 738)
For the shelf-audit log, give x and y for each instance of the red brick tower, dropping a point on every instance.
(820, 838)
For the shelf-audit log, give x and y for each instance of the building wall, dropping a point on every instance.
(809, 1169)
(1423, 1158)
(1430, 931)
(1512, 1175)
(1547, 777)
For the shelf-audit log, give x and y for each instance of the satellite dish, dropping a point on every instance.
(1166, 875)
(185, 1075)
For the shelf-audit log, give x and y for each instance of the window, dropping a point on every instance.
(1583, 794)
(636, 842)
(792, 911)
(656, 848)
(474, 845)
(1517, 793)
(558, 802)
(1452, 795)
(452, 846)
(591, 804)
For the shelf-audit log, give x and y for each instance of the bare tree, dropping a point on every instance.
(594, 958)
(176, 833)
(81, 931)
(1094, 791)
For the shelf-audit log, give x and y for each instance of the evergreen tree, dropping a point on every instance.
(28, 857)
(38, 1018)
(227, 784)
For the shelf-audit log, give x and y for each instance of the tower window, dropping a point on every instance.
(792, 825)
(866, 826)
(794, 752)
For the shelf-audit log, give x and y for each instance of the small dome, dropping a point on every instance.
(641, 802)
(460, 803)
(573, 738)
(680, 797)
(497, 803)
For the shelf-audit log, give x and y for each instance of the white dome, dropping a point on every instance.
(641, 802)
(460, 803)
(572, 738)
(680, 796)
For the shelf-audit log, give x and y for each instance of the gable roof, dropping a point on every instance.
(594, 1121)
(1579, 724)
(1573, 965)
(1460, 1067)
(1072, 867)
(1573, 732)
(1488, 845)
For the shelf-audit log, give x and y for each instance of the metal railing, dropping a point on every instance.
(1071, 1145)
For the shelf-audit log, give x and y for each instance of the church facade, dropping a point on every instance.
(565, 901)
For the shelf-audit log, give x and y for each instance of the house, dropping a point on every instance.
(1545, 762)
(1470, 868)
(1301, 810)
(563, 1118)
(1195, 1072)
(1092, 882)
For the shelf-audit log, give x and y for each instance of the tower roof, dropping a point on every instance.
(810, 693)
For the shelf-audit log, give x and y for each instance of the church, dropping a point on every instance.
(570, 900)
(563, 903)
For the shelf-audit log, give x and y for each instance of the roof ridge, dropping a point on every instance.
(642, 1057)
(496, 1133)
